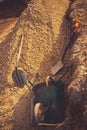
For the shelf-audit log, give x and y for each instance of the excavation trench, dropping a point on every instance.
(46, 34)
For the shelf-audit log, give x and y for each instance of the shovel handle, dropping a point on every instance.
(20, 48)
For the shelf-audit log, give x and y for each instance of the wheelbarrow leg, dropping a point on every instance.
(32, 113)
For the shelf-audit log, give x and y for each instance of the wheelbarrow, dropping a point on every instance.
(49, 103)
(47, 99)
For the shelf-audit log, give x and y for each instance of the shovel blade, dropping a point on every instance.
(19, 78)
(56, 67)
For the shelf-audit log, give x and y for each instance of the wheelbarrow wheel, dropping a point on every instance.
(38, 113)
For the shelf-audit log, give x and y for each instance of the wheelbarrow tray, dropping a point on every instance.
(47, 95)
(43, 93)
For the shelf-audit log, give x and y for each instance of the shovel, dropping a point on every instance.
(59, 65)
(19, 76)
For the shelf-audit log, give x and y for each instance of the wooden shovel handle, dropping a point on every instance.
(19, 51)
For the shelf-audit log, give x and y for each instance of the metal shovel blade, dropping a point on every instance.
(19, 77)
(56, 67)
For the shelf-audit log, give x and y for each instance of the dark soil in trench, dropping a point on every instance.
(11, 8)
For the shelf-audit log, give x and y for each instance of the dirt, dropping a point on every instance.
(46, 33)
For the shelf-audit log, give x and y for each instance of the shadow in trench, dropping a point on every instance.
(11, 8)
